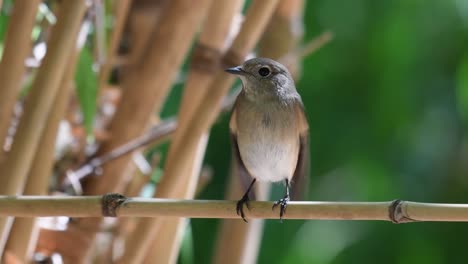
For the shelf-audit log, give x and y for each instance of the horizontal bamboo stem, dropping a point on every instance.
(117, 205)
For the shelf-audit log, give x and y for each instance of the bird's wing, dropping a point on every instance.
(300, 179)
(240, 168)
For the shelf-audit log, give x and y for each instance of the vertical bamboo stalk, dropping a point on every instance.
(205, 62)
(173, 229)
(120, 15)
(74, 243)
(239, 242)
(21, 241)
(204, 115)
(38, 104)
(284, 35)
(17, 47)
(152, 77)
(257, 17)
(166, 246)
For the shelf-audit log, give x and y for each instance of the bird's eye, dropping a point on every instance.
(264, 71)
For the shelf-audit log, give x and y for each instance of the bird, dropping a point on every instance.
(269, 131)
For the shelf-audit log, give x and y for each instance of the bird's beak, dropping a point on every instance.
(235, 70)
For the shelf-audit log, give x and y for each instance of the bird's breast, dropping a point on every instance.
(268, 142)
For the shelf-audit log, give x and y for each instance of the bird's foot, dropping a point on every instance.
(240, 206)
(282, 203)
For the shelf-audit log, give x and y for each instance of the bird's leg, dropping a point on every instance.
(283, 202)
(244, 200)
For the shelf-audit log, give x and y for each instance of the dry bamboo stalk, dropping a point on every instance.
(142, 20)
(21, 242)
(284, 34)
(17, 46)
(204, 64)
(173, 229)
(256, 19)
(153, 77)
(396, 211)
(139, 180)
(120, 15)
(238, 242)
(166, 246)
(52, 240)
(38, 105)
(206, 60)
(154, 136)
(204, 115)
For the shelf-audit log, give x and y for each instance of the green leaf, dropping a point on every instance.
(86, 88)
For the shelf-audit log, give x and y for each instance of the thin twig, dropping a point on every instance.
(310, 47)
(116, 205)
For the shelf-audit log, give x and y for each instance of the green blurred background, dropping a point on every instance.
(387, 102)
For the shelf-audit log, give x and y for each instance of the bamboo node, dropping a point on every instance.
(111, 202)
(205, 58)
(396, 213)
(232, 58)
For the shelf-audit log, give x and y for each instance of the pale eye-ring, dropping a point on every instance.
(264, 71)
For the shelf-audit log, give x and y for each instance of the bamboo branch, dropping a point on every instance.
(17, 47)
(21, 242)
(158, 134)
(284, 34)
(205, 63)
(166, 246)
(116, 205)
(203, 116)
(165, 130)
(120, 16)
(39, 102)
(153, 76)
(238, 242)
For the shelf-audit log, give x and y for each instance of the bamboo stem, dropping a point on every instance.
(397, 211)
(162, 252)
(39, 103)
(205, 62)
(120, 16)
(166, 246)
(256, 19)
(153, 77)
(237, 241)
(158, 134)
(17, 47)
(206, 113)
(21, 242)
(284, 34)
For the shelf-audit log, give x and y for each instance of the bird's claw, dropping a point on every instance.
(283, 203)
(240, 207)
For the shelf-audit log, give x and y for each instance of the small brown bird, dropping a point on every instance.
(269, 130)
